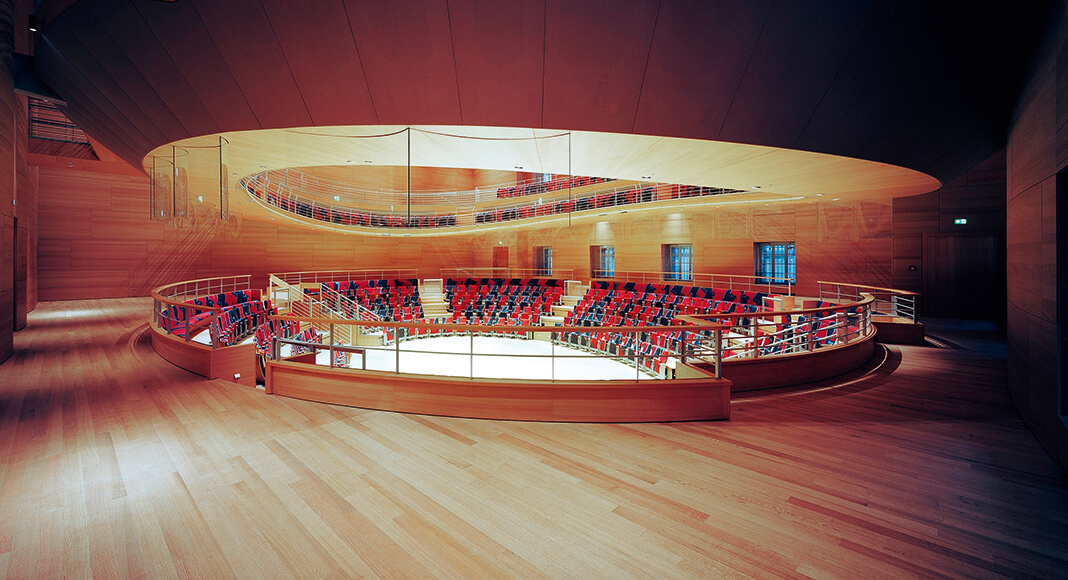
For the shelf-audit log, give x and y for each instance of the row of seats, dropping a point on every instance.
(558, 184)
(684, 191)
(597, 201)
(236, 322)
(188, 321)
(389, 300)
(653, 355)
(272, 194)
(271, 329)
(552, 282)
(727, 295)
(501, 301)
(611, 303)
(307, 335)
(351, 218)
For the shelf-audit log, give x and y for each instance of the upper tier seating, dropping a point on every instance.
(558, 184)
(596, 201)
(275, 194)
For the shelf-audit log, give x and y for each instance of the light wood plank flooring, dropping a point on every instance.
(115, 464)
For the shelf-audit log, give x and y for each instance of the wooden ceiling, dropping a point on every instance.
(927, 86)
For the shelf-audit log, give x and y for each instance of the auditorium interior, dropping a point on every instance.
(194, 184)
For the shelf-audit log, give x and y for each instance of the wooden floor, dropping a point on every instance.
(115, 464)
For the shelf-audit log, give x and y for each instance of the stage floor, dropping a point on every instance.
(496, 358)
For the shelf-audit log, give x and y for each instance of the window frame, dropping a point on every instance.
(603, 262)
(543, 261)
(677, 262)
(783, 262)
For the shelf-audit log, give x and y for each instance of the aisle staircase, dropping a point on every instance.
(432, 297)
(568, 302)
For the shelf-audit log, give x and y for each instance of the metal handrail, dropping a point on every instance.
(490, 272)
(733, 281)
(888, 301)
(714, 338)
(175, 296)
(314, 277)
(463, 210)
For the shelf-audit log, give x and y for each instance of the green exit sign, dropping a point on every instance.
(961, 221)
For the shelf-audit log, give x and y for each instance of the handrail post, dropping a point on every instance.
(331, 345)
(842, 327)
(811, 334)
(213, 330)
(753, 328)
(552, 360)
(682, 346)
(637, 353)
(718, 358)
(185, 310)
(396, 348)
(471, 341)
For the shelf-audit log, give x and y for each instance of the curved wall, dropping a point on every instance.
(96, 241)
(875, 80)
(1036, 291)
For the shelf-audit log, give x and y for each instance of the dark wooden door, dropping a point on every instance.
(963, 277)
(500, 257)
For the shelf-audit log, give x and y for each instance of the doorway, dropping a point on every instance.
(964, 277)
(500, 258)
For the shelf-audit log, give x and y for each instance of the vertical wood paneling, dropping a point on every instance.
(1035, 352)
(977, 196)
(8, 213)
(97, 241)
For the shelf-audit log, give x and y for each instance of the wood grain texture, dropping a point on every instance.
(976, 196)
(1035, 247)
(590, 401)
(786, 370)
(225, 363)
(115, 463)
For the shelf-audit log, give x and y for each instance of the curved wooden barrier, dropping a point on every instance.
(695, 399)
(234, 363)
(795, 369)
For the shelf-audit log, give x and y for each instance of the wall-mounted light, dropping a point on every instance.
(337, 198)
(33, 23)
(755, 187)
(200, 198)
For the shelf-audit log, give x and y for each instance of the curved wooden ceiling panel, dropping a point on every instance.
(917, 84)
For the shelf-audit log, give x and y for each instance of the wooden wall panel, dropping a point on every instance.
(97, 241)
(8, 211)
(976, 196)
(1034, 291)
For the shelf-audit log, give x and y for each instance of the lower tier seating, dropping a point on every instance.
(501, 301)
